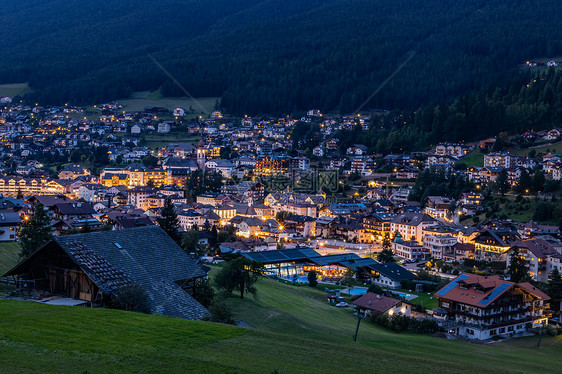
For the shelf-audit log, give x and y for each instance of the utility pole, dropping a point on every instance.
(359, 318)
(540, 335)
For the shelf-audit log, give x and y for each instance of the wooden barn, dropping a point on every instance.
(92, 267)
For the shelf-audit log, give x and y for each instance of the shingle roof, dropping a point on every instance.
(481, 291)
(146, 256)
(393, 271)
(412, 219)
(378, 303)
(75, 208)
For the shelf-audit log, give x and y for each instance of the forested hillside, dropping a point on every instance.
(273, 56)
(526, 102)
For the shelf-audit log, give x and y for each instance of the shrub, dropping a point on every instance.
(551, 330)
(375, 288)
(312, 279)
(132, 298)
(220, 312)
(204, 293)
(403, 323)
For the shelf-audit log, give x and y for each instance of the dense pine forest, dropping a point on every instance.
(275, 56)
(527, 102)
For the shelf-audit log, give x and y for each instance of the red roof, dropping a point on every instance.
(481, 291)
(375, 302)
(534, 290)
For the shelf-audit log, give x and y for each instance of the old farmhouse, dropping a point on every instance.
(92, 267)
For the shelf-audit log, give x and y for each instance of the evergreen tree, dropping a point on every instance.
(312, 278)
(190, 240)
(240, 274)
(538, 181)
(86, 228)
(525, 182)
(555, 289)
(502, 183)
(169, 221)
(214, 236)
(386, 254)
(35, 231)
(517, 269)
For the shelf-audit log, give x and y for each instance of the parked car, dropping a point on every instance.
(342, 304)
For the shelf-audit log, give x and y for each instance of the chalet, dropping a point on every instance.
(411, 225)
(406, 172)
(492, 245)
(303, 225)
(464, 250)
(357, 149)
(501, 159)
(487, 143)
(372, 304)
(409, 250)
(9, 226)
(438, 206)
(531, 229)
(378, 225)
(390, 275)
(481, 307)
(73, 172)
(441, 247)
(471, 198)
(92, 267)
(188, 218)
(536, 253)
(552, 134)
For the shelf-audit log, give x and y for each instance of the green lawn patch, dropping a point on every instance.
(555, 148)
(140, 100)
(427, 301)
(14, 89)
(474, 158)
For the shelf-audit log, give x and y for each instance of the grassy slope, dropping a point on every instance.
(296, 332)
(301, 311)
(14, 89)
(9, 255)
(552, 147)
(474, 158)
(139, 100)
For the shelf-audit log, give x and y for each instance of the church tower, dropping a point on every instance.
(201, 155)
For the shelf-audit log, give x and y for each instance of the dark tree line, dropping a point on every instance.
(527, 102)
(273, 56)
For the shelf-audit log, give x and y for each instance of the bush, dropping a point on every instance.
(220, 312)
(204, 293)
(375, 288)
(551, 330)
(403, 323)
(312, 279)
(132, 298)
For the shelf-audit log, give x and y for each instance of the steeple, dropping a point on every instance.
(201, 155)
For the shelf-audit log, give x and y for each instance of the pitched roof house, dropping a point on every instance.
(480, 307)
(92, 267)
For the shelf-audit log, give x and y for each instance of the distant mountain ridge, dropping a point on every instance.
(272, 56)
